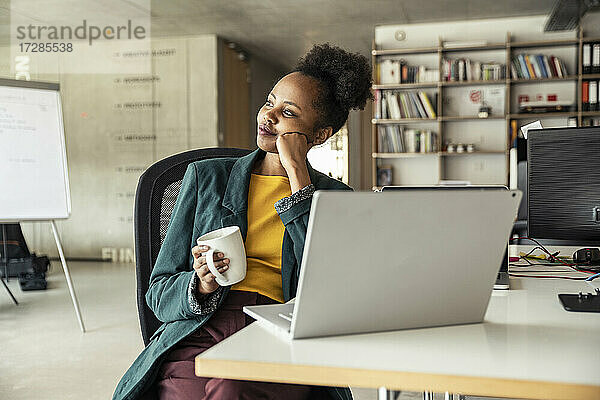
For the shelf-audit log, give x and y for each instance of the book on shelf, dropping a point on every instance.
(395, 133)
(513, 70)
(591, 121)
(403, 104)
(417, 106)
(585, 95)
(596, 58)
(428, 142)
(405, 111)
(398, 71)
(492, 72)
(427, 104)
(530, 66)
(593, 96)
(392, 105)
(396, 139)
(521, 68)
(513, 133)
(420, 141)
(587, 58)
(390, 139)
(462, 69)
(561, 68)
(537, 67)
(418, 74)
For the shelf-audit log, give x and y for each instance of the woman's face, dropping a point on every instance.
(288, 108)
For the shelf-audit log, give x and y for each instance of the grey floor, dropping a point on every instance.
(43, 354)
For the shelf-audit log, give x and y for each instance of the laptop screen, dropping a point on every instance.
(504, 264)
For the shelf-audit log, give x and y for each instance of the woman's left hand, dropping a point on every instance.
(292, 148)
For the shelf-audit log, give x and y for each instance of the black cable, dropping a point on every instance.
(545, 250)
(526, 260)
(532, 250)
(547, 264)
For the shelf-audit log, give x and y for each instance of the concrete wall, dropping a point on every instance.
(118, 125)
(115, 127)
(263, 76)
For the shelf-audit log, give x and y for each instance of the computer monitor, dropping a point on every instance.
(563, 185)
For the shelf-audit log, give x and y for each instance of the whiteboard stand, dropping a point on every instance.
(5, 255)
(9, 292)
(35, 152)
(67, 275)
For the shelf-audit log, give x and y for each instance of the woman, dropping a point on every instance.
(267, 194)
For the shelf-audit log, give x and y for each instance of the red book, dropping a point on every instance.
(404, 73)
(585, 89)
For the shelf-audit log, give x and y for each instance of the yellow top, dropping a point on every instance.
(264, 239)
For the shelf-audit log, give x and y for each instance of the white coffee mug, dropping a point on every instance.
(228, 241)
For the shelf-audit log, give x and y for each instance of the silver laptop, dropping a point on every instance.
(397, 260)
(502, 279)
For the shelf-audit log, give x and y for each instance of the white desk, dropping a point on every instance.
(528, 347)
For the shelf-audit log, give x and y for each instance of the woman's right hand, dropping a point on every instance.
(208, 284)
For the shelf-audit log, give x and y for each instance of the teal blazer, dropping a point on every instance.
(213, 194)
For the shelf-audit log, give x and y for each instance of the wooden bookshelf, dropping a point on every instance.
(450, 118)
(590, 76)
(473, 153)
(538, 80)
(564, 114)
(473, 83)
(545, 43)
(404, 155)
(590, 113)
(462, 49)
(509, 83)
(590, 40)
(402, 121)
(424, 50)
(435, 153)
(407, 86)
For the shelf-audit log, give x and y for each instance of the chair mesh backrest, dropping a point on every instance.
(166, 207)
(155, 199)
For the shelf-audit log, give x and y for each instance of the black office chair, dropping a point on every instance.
(155, 197)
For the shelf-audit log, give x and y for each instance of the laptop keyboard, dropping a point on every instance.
(287, 317)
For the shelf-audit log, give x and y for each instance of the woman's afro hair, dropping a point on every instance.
(345, 82)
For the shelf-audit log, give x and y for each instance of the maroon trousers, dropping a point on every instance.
(176, 379)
